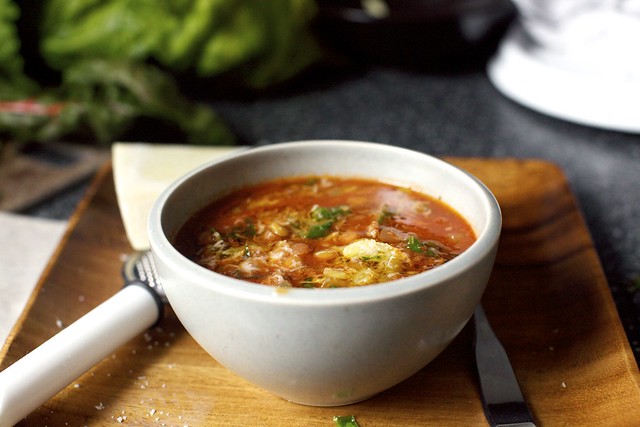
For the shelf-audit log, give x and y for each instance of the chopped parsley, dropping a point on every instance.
(319, 213)
(320, 230)
(345, 421)
(243, 232)
(249, 229)
(323, 219)
(308, 283)
(385, 214)
(414, 244)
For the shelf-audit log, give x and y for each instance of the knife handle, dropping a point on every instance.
(49, 368)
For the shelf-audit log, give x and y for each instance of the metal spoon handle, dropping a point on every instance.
(46, 370)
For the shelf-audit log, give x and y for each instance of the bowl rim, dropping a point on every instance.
(486, 242)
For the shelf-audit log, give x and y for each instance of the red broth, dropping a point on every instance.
(324, 232)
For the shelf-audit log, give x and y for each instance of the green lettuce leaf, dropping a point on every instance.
(264, 42)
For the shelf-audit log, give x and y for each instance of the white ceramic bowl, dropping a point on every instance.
(326, 346)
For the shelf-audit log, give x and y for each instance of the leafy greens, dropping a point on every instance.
(117, 60)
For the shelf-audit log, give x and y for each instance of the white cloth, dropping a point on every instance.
(26, 245)
(141, 172)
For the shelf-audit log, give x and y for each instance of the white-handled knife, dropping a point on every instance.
(141, 172)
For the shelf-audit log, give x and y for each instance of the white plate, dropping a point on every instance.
(589, 99)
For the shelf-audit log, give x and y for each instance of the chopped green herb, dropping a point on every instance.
(345, 421)
(414, 244)
(250, 229)
(319, 213)
(328, 216)
(243, 232)
(320, 230)
(386, 213)
(308, 283)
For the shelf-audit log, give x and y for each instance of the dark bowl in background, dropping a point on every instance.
(439, 34)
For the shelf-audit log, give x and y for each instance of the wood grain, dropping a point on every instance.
(30, 173)
(547, 299)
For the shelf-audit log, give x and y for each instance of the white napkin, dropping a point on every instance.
(27, 245)
(141, 172)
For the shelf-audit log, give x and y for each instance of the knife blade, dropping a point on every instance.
(503, 402)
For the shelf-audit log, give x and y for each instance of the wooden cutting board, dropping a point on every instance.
(30, 173)
(547, 299)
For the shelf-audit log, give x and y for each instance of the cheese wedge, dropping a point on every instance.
(142, 171)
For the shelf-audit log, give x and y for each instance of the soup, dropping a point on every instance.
(324, 232)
